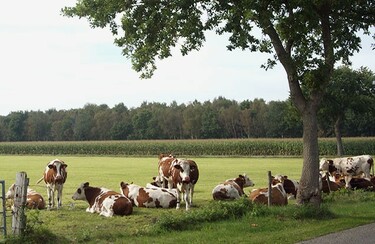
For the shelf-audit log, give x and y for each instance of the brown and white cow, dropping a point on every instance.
(327, 185)
(232, 189)
(348, 167)
(182, 174)
(103, 201)
(278, 195)
(55, 176)
(148, 197)
(34, 200)
(290, 186)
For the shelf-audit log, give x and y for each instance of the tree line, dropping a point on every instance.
(219, 118)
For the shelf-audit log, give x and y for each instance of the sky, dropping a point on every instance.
(48, 61)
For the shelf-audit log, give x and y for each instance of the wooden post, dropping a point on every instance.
(269, 188)
(20, 194)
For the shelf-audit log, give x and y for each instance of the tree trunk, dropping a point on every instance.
(340, 148)
(309, 184)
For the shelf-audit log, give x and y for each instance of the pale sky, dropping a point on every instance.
(50, 61)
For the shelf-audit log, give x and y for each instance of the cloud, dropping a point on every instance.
(50, 61)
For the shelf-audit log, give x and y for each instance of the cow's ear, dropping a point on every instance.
(241, 176)
(122, 184)
(86, 184)
(285, 177)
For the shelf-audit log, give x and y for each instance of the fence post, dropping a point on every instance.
(20, 192)
(269, 188)
(3, 208)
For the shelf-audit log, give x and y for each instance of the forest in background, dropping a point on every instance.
(220, 118)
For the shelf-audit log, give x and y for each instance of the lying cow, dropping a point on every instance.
(290, 186)
(327, 185)
(182, 174)
(278, 195)
(103, 201)
(148, 197)
(34, 200)
(232, 189)
(348, 167)
(356, 183)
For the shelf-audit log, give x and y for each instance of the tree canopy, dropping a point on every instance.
(306, 37)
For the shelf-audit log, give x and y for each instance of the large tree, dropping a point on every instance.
(306, 37)
(349, 91)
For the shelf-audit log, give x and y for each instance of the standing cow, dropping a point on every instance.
(348, 167)
(182, 174)
(154, 197)
(103, 201)
(55, 176)
(232, 189)
(34, 199)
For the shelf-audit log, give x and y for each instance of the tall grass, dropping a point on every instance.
(220, 147)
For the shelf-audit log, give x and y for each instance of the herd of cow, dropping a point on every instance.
(177, 177)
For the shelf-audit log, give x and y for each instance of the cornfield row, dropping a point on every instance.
(229, 147)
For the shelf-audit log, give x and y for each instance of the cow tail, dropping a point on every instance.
(39, 180)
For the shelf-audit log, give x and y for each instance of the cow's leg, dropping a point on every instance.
(49, 194)
(178, 196)
(59, 196)
(348, 178)
(191, 192)
(187, 196)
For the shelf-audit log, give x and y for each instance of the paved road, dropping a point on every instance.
(359, 235)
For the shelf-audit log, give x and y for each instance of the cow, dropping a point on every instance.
(182, 174)
(148, 197)
(34, 200)
(278, 195)
(157, 182)
(290, 186)
(103, 201)
(327, 185)
(55, 176)
(232, 189)
(356, 182)
(348, 167)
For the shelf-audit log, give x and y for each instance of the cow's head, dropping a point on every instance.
(11, 191)
(184, 168)
(326, 165)
(247, 181)
(80, 193)
(158, 181)
(59, 167)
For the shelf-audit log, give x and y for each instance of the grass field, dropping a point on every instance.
(72, 224)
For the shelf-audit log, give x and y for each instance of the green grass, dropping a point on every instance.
(72, 224)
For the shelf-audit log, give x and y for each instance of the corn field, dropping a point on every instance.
(219, 147)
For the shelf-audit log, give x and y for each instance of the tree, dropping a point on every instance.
(15, 123)
(306, 37)
(348, 90)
